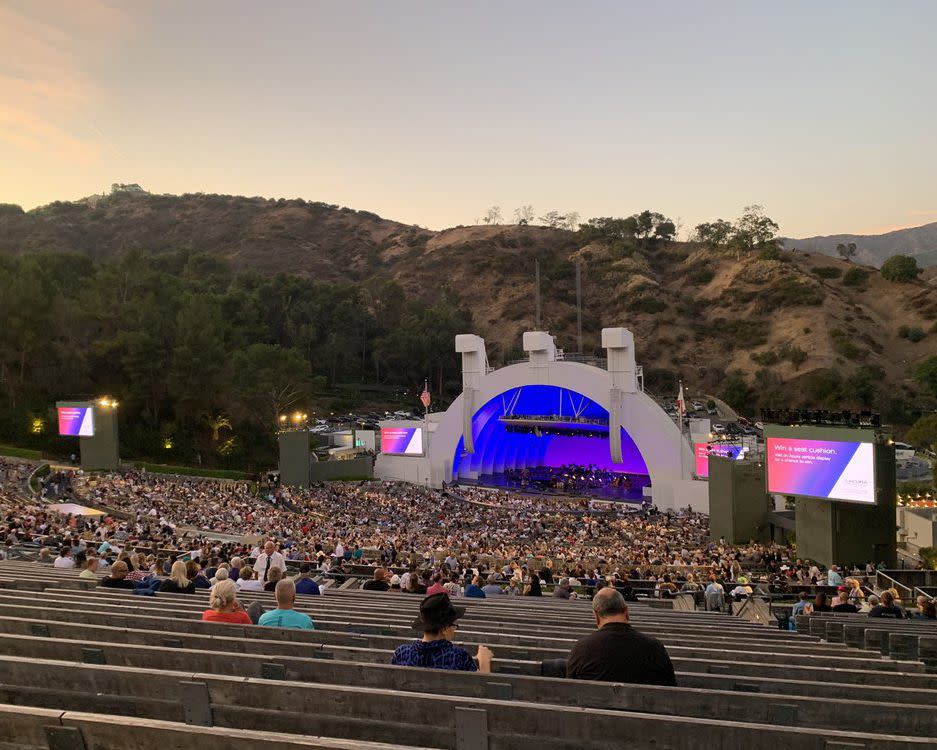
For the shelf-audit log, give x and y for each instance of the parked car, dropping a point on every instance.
(719, 427)
(903, 452)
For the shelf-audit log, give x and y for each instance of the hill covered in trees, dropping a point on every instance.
(193, 310)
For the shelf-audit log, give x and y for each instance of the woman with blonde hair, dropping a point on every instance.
(178, 582)
(224, 606)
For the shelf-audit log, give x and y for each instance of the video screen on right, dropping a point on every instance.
(826, 469)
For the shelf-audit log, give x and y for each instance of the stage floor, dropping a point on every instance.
(632, 494)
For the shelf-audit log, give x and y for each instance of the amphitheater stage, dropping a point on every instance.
(560, 482)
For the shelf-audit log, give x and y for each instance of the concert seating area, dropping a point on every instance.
(87, 667)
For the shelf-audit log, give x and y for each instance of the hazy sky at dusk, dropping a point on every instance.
(429, 112)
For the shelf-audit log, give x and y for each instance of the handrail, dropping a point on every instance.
(894, 584)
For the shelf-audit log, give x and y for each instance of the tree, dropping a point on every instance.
(754, 229)
(493, 215)
(524, 214)
(217, 423)
(715, 234)
(552, 219)
(900, 268)
(651, 226)
(571, 221)
(610, 228)
(736, 391)
(846, 251)
(923, 433)
(926, 374)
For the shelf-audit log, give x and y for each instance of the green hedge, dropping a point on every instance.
(193, 471)
(9, 450)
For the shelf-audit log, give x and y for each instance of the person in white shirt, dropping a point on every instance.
(64, 560)
(267, 560)
(248, 580)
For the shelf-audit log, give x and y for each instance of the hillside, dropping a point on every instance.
(801, 329)
(875, 249)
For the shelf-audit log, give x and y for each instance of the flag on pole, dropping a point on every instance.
(425, 397)
(681, 405)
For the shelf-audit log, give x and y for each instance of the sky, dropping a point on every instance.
(429, 112)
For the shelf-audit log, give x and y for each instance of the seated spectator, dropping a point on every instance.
(64, 560)
(492, 589)
(247, 581)
(929, 611)
(666, 588)
(304, 583)
(453, 587)
(437, 586)
(178, 582)
(562, 590)
(234, 573)
(118, 577)
(273, 578)
(533, 587)
(194, 573)
(616, 652)
(820, 604)
(377, 583)
(856, 594)
(224, 606)
(833, 577)
(220, 575)
(742, 590)
(91, 568)
(438, 621)
(473, 590)
(887, 608)
(843, 604)
(284, 616)
(925, 609)
(802, 605)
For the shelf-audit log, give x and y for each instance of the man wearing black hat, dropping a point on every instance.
(437, 620)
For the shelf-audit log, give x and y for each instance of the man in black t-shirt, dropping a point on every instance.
(616, 652)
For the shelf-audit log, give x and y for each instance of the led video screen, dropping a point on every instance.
(76, 420)
(704, 450)
(827, 469)
(404, 441)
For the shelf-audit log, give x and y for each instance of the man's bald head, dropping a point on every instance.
(608, 605)
(269, 548)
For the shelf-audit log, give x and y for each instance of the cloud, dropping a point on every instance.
(47, 89)
(923, 212)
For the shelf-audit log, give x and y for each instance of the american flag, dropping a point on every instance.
(424, 397)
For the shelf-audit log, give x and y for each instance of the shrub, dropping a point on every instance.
(769, 252)
(855, 277)
(900, 268)
(828, 272)
(912, 333)
(788, 293)
(844, 345)
(702, 276)
(649, 305)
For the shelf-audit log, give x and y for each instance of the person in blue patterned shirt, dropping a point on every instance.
(438, 621)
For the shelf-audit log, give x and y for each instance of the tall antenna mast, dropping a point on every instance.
(537, 292)
(578, 308)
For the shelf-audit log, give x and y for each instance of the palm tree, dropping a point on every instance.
(217, 422)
